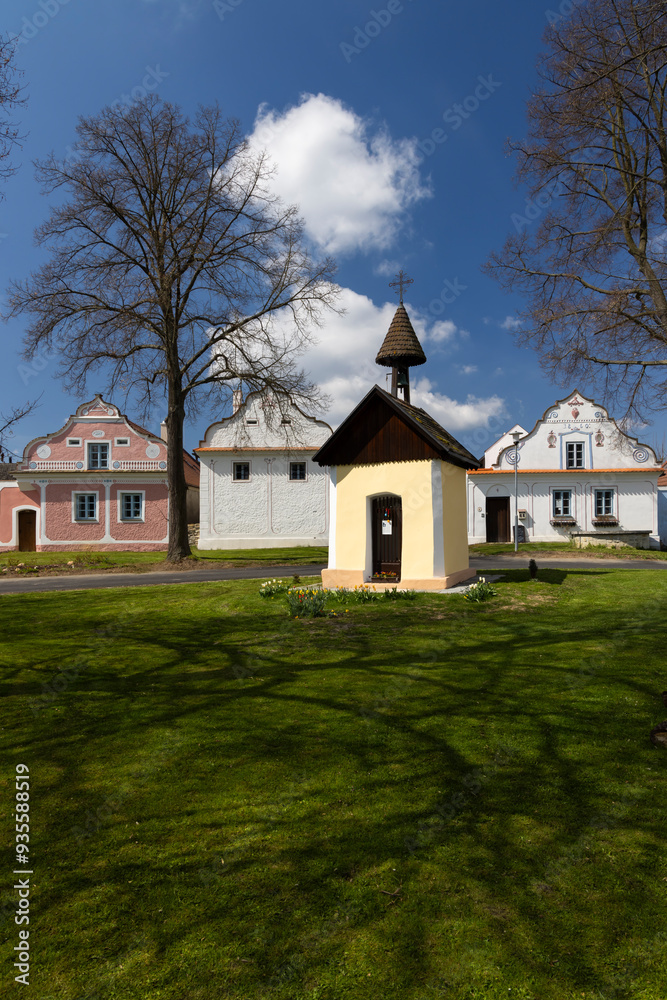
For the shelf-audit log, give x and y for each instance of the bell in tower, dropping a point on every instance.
(401, 349)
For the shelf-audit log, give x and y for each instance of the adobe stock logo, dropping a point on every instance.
(152, 80)
(378, 20)
(457, 114)
(222, 7)
(39, 20)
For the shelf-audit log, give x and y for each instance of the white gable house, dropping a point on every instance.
(259, 487)
(579, 477)
(662, 508)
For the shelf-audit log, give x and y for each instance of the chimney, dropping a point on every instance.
(163, 430)
(237, 399)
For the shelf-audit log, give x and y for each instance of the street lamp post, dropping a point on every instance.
(515, 437)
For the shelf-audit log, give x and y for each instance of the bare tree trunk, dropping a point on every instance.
(179, 546)
(169, 260)
(589, 255)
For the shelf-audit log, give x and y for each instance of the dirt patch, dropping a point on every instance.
(529, 601)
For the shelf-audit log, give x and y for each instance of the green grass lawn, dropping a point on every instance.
(413, 800)
(528, 549)
(138, 561)
(34, 563)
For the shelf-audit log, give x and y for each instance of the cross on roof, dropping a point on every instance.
(401, 280)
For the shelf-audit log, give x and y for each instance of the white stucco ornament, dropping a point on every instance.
(98, 434)
(275, 505)
(43, 451)
(152, 450)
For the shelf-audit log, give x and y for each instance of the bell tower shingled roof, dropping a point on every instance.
(400, 347)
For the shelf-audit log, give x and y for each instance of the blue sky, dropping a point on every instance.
(387, 124)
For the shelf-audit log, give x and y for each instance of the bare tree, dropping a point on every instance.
(170, 250)
(589, 252)
(658, 443)
(10, 99)
(7, 423)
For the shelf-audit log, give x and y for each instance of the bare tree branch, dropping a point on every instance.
(591, 261)
(9, 420)
(170, 266)
(10, 99)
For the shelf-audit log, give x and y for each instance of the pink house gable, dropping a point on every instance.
(100, 481)
(131, 448)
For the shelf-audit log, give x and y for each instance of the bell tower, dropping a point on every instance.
(400, 349)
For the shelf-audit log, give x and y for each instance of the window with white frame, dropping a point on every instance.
(123, 442)
(562, 503)
(297, 471)
(574, 455)
(98, 456)
(604, 503)
(85, 506)
(241, 472)
(73, 442)
(131, 506)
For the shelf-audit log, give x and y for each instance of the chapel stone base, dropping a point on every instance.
(356, 578)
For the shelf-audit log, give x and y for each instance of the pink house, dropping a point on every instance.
(99, 482)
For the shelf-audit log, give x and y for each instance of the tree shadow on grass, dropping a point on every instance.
(477, 759)
(546, 574)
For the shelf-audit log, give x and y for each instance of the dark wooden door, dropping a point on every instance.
(27, 530)
(387, 526)
(497, 519)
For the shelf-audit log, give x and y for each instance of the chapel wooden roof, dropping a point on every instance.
(383, 428)
(400, 346)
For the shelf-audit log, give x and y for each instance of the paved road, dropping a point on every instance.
(37, 585)
(95, 581)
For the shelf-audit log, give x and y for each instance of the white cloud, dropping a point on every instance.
(468, 369)
(353, 188)
(455, 416)
(511, 323)
(387, 268)
(443, 330)
(342, 363)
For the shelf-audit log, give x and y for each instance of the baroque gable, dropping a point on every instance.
(266, 421)
(581, 422)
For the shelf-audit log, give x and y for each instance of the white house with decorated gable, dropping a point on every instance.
(259, 486)
(579, 477)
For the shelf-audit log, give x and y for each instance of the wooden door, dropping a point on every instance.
(387, 527)
(497, 519)
(27, 530)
